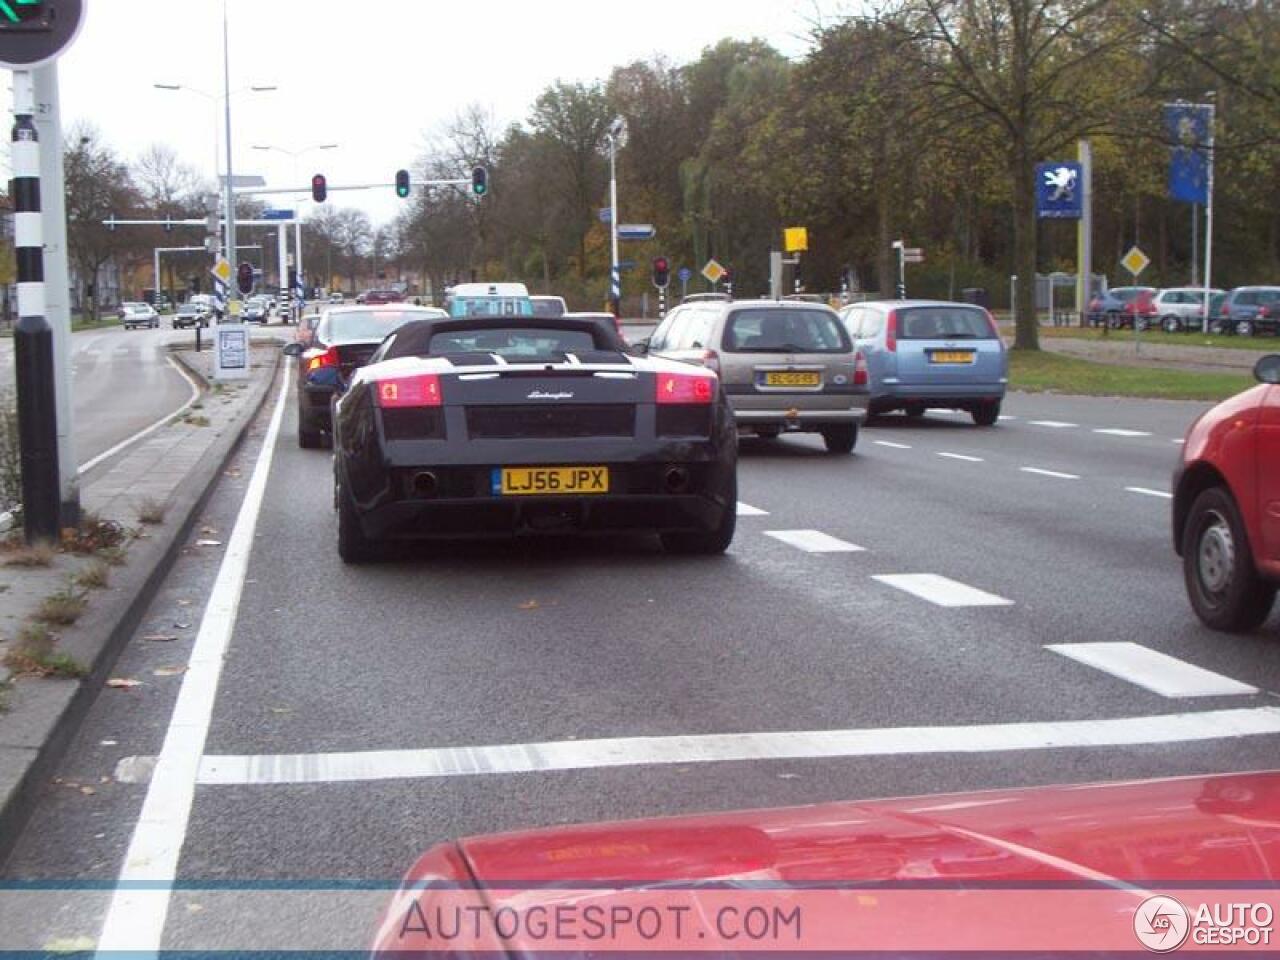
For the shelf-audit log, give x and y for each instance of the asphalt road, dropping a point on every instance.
(1049, 529)
(122, 382)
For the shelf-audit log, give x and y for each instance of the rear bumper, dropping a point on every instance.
(316, 403)
(903, 392)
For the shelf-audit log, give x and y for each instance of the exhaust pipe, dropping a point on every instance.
(676, 479)
(424, 484)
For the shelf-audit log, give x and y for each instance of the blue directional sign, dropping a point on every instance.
(637, 231)
(606, 214)
(684, 274)
(1059, 191)
(626, 264)
(277, 214)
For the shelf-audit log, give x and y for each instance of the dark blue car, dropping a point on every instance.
(1249, 310)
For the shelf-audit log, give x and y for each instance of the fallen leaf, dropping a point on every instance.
(530, 605)
(160, 637)
(123, 683)
(788, 776)
(109, 743)
(88, 791)
(168, 671)
(208, 543)
(208, 531)
(182, 626)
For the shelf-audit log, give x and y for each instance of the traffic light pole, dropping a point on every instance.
(282, 247)
(33, 337)
(267, 191)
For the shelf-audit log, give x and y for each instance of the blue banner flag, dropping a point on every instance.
(1188, 128)
(1059, 191)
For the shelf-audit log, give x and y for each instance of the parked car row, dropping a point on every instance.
(1244, 311)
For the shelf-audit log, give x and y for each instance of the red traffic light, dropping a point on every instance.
(244, 277)
(319, 188)
(661, 272)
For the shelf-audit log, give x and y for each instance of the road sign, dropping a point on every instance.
(1135, 261)
(637, 231)
(1059, 195)
(913, 255)
(626, 264)
(796, 239)
(277, 214)
(713, 271)
(222, 270)
(34, 32)
(606, 215)
(684, 274)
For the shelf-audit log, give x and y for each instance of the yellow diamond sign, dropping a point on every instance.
(713, 271)
(222, 270)
(1135, 261)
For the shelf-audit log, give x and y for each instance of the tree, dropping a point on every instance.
(98, 186)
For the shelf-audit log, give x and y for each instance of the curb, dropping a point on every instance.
(65, 703)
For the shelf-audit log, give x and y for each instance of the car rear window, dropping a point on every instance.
(365, 325)
(514, 343)
(944, 323)
(550, 309)
(784, 330)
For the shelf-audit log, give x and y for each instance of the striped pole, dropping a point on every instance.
(33, 337)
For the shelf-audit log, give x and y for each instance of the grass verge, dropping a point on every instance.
(33, 655)
(1258, 345)
(1044, 372)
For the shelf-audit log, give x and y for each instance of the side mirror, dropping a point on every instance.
(640, 348)
(292, 350)
(1267, 370)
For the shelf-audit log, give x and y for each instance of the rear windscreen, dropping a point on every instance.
(551, 309)
(783, 330)
(515, 344)
(365, 325)
(944, 323)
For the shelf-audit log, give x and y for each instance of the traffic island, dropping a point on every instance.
(66, 612)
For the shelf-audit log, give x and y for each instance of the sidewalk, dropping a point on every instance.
(147, 499)
(1119, 349)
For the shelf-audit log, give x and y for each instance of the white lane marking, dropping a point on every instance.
(1152, 670)
(711, 748)
(942, 591)
(1116, 432)
(891, 445)
(814, 541)
(1148, 492)
(147, 431)
(1179, 441)
(121, 351)
(1005, 416)
(747, 510)
(960, 456)
(136, 917)
(1050, 473)
(1053, 424)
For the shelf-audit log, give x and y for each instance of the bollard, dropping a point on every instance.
(37, 428)
(197, 336)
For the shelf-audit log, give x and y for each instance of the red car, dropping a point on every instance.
(377, 297)
(1047, 870)
(1226, 506)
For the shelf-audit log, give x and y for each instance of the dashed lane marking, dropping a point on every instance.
(1054, 424)
(960, 456)
(942, 591)
(1152, 670)
(814, 541)
(712, 748)
(1040, 472)
(747, 510)
(1148, 492)
(1117, 432)
(891, 445)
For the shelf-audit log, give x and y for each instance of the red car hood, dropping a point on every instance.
(1199, 830)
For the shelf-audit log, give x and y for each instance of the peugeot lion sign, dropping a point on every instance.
(1059, 191)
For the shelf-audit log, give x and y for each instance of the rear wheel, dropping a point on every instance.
(986, 414)
(840, 439)
(1113, 320)
(914, 409)
(1244, 328)
(353, 545)
(1222, 584)
(309, 435)
(1171, 324)
(707, 542)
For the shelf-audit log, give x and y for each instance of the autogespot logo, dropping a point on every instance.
(1161, 924)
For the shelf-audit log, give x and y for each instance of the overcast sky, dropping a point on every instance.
(375, 76)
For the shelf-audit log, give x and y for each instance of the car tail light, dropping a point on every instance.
(859, 369)
(422, 390)
(891, 332)
(1264, 311)
(1145, 304)
(711, 360)
(685, 388)
(327, 359)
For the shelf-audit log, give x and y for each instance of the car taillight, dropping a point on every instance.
(422, 390)
(327, 359)
(891, 332)
(685, 388)
(1264, 311)
(859, 370)
(711, 360)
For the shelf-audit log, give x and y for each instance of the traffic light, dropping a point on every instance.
(319, 188)
(402, 184)
(661, 272)
(24, 15)
(479, 181)
(244, 278)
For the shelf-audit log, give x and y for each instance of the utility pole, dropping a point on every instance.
(1208, 221)
(1084, 233)
(230, 197)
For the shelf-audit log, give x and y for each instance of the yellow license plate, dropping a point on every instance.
(549, 481)
(952, 356)
(789, 378)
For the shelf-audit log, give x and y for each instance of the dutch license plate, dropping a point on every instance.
(791, 378)
(951, 356)
(533, 481)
